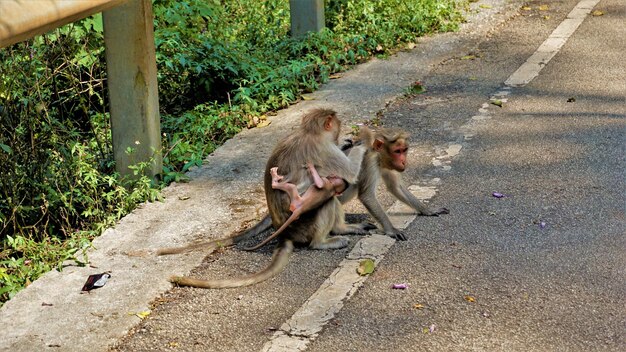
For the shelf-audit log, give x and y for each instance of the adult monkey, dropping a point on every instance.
(386, 161)
(314, 142)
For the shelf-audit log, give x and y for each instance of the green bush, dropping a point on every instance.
(221, 65)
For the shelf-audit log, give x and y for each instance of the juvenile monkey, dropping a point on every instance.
(322, 189)
(386, 160)
(315, 141)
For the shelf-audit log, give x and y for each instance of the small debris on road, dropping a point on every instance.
(496, 102)
(417, 88)
(143, 315)
(95, 281)
(429, 329)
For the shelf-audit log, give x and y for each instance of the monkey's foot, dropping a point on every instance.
(442, 211)
(437, 212)
(275, 176)
(335, 242)
(366, 225)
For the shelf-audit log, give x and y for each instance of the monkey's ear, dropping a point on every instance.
(328, 123)
(378, 144)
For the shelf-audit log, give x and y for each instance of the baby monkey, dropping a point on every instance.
(322, 189)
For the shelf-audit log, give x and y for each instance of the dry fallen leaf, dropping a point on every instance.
(418, 306)
(264, 124)
(470, 298)
(526, 8)
(140, 315)
(410, 46)
(597, 13)
(468, 57)
(544, 7)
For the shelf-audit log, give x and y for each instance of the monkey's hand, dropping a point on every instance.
(347, 144)
(397, 234)
(437, 212)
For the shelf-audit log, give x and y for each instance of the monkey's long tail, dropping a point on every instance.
(274, 235)
(210, 246)
(261, 226)
(278, 264)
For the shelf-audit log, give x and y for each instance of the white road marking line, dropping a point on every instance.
(307, 322)
(551, 46)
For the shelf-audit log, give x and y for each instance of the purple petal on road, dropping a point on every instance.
(400, 286)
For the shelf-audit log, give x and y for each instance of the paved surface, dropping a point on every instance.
(485, 277)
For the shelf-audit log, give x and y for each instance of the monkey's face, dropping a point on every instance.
(397, 155)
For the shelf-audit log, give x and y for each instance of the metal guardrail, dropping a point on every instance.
(23, 19)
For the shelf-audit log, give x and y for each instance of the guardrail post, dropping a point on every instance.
(306, 16)
(132, 85)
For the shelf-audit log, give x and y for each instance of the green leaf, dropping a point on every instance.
(6, 148)
(496, 102)
(366, 267)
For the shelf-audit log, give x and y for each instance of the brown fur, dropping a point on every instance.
(315, 142)
(380, 162)
(322, 189)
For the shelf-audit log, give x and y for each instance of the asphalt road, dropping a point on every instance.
(541, 269)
